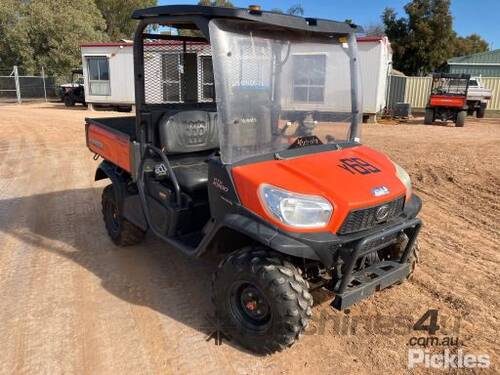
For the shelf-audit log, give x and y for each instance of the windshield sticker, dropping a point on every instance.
(358, 165)
(311, 140)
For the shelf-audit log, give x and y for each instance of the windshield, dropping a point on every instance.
(278, 90)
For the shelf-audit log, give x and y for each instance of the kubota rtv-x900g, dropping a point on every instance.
(246, 143)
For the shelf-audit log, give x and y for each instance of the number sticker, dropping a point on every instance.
(357, 165)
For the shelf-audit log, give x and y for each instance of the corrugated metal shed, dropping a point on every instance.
(494, 85)
(486, 64)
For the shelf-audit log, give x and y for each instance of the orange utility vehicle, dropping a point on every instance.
(448, 98)
(246, 145)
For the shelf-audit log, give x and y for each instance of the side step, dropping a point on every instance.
(370, 280)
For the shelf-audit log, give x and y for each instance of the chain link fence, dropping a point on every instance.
(16, 88)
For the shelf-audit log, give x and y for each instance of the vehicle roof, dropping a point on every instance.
(314, 25)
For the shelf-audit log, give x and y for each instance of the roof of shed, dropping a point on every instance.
(489, 57)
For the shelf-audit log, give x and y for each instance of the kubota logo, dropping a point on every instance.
(382, 213)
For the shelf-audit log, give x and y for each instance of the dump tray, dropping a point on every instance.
(111, 139)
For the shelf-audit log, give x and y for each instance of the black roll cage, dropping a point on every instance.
(450, 77)
(198, 17)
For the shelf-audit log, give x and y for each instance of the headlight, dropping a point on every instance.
(404, 177)
(296, 210)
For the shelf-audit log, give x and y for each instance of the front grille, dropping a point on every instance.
(365, 218)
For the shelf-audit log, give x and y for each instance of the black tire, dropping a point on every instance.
(120, 230)
(69, 101)
(414, 259)
(481, 111)
(460, 122)
(124, 108)
(429, 116)
(258, 279)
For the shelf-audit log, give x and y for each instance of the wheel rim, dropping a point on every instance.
(250, 306)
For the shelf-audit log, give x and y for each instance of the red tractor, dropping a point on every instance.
(448, 99)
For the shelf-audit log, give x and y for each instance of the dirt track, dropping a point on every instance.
(71, 302)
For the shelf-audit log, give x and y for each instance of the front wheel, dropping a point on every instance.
(120, 230)
(261, 300)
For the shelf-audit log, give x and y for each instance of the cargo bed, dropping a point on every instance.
(111, 138)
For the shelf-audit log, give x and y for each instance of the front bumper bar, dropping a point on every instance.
(355, 286)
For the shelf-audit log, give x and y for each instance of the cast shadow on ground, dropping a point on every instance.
(69, 224)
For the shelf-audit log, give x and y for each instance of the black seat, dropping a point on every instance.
(192, 177)
(189, 138)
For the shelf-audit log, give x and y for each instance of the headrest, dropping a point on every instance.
(189, 131)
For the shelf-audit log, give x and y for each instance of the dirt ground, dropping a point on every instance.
(71, 302)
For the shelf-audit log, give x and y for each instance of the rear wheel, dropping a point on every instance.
(69, 101)
(261, 300)
(481, 111)
(460, 122)
(429, 116)
(121, 231)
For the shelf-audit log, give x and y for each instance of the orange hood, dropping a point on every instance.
(346, 178)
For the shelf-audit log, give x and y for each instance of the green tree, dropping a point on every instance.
(47, 33)
(294, 10)
(57, 28)
(469, 45)
(117, 14)
(424, 39)
(14, 41)
(216, 3)
(375, 29)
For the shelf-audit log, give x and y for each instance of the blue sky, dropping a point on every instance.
(479, 16)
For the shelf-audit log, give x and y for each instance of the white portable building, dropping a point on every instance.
(109, 75)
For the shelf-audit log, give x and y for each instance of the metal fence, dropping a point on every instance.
(493, 83)
(16, 88)
(415, 90)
